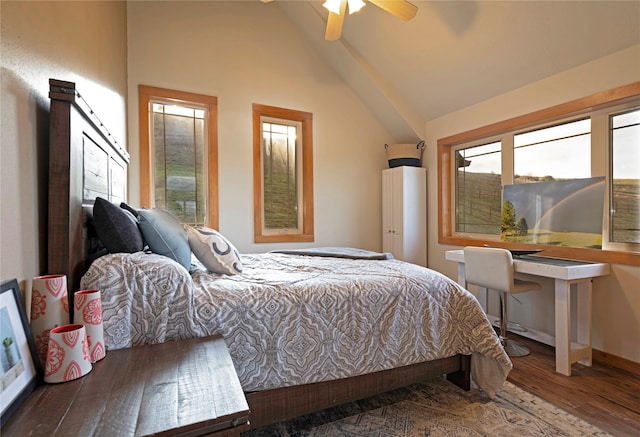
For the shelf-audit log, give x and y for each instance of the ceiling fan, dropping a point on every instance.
(337, 10)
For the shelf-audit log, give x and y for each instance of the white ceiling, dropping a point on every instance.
(454, 54)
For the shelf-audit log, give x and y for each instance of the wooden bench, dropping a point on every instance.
(187, 387)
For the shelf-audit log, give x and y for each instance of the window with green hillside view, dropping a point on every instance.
(625, 174)
(283, 174)
(179, 154)
(555, 152)
(479, 189)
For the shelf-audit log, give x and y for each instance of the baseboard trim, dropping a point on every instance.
(615, 361)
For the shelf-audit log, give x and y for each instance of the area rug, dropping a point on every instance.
(437, 408)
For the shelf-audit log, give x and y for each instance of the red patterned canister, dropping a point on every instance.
(49, 308)
(67, 354)
(88, 312)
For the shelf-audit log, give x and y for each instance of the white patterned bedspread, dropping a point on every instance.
(290, 319)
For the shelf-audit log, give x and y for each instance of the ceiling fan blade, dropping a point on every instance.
(334, 23)
(400, 8)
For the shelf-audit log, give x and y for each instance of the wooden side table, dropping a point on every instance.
(178, 388)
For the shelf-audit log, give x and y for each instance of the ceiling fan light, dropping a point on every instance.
(355, 5)
(333, 5)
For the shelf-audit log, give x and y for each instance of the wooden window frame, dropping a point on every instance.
(608, 231)
(446, 155)
(147, 94)
(306, 119)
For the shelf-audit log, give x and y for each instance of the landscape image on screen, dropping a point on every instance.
(561, 213)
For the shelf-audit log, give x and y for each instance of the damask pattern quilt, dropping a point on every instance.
(291, 319)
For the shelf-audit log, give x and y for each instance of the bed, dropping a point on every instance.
(305, 330)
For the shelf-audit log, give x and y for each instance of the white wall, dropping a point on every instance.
(616, 298)
(245, 53)
(82, 42)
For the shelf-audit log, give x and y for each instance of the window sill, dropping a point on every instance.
(577, 253)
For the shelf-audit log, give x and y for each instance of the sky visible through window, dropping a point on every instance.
(626, 149)
(562, 151)
(566, 157)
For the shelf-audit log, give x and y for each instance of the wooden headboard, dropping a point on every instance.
(85, 162)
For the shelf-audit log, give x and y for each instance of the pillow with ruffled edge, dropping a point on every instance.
(214, 251)
(165, 235)
(116, 228)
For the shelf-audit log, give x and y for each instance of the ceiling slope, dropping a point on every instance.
(401, 121)
(454, 54)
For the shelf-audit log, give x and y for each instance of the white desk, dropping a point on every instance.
(566, 274)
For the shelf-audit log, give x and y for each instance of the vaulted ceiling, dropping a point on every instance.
(454, 54)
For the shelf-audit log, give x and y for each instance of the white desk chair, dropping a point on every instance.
(492, 268)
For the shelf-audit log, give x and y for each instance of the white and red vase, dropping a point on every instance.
(67, 354)
(49, 308)
(88, 312)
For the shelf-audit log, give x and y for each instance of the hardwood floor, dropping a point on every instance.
(604, 396)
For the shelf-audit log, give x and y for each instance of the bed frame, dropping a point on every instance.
(87, 162)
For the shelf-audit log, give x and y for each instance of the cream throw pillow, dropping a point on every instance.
(214, 251)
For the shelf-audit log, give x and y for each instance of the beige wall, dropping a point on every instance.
(82, 42)
(245, 53)
(616, 300)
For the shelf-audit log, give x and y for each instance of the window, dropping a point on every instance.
(178, 154)
(281, 189)
(557, 152)
(283, 175)
(561, 143)
(478, 189)
(625, 176)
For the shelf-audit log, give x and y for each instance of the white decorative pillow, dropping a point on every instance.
(214, 251)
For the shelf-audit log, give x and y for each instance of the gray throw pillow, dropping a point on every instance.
(164, 235)
(116, 228)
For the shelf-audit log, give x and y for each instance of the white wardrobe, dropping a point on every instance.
(404, 213)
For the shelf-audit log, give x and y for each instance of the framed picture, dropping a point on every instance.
(20, 368)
